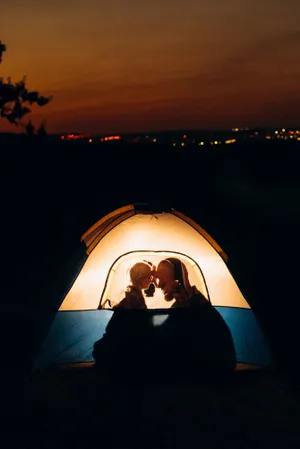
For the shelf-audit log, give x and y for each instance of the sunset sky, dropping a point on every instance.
(116, 66)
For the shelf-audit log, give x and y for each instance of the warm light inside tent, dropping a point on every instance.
(112, 246)
(147, 234)
(118, 278)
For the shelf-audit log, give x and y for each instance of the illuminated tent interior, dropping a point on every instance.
(97, 276)
(118, 278)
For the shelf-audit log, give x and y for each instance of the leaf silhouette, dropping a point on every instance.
(14, 96)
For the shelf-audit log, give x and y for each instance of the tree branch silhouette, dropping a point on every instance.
(15, 97)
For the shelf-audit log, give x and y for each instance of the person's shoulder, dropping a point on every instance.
(198, 299)
(131, 289)
(133, 292)
(123, 304)
(133, 299)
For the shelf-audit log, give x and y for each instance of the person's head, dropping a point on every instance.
(165, 275)
(141, 275)
(171, 274)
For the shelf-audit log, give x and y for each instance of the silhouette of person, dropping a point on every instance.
(128, 335)
(141, 276)
(192, 341)
(194, 338)
(172, 277)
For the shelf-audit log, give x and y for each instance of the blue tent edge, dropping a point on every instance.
(73, 333)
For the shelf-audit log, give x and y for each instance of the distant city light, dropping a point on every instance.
(230, 141)
(73, 136)
(109, 138)
(185, 141)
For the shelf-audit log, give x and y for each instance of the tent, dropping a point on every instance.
(78, 308)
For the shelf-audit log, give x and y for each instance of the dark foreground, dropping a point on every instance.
(81, 409)
(248, 200)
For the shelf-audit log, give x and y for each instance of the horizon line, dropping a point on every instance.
(185, 131)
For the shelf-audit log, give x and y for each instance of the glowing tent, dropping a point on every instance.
(79, 310)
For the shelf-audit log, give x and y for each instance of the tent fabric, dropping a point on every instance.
(73, 335)
(71, 322)
(96, 232)
(161, 232)
(107, 228)
(203, 233)
(89, 236)
(55, 292)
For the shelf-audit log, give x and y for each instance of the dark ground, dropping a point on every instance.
(246, 197)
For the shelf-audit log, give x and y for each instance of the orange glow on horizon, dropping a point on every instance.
(106, 81)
